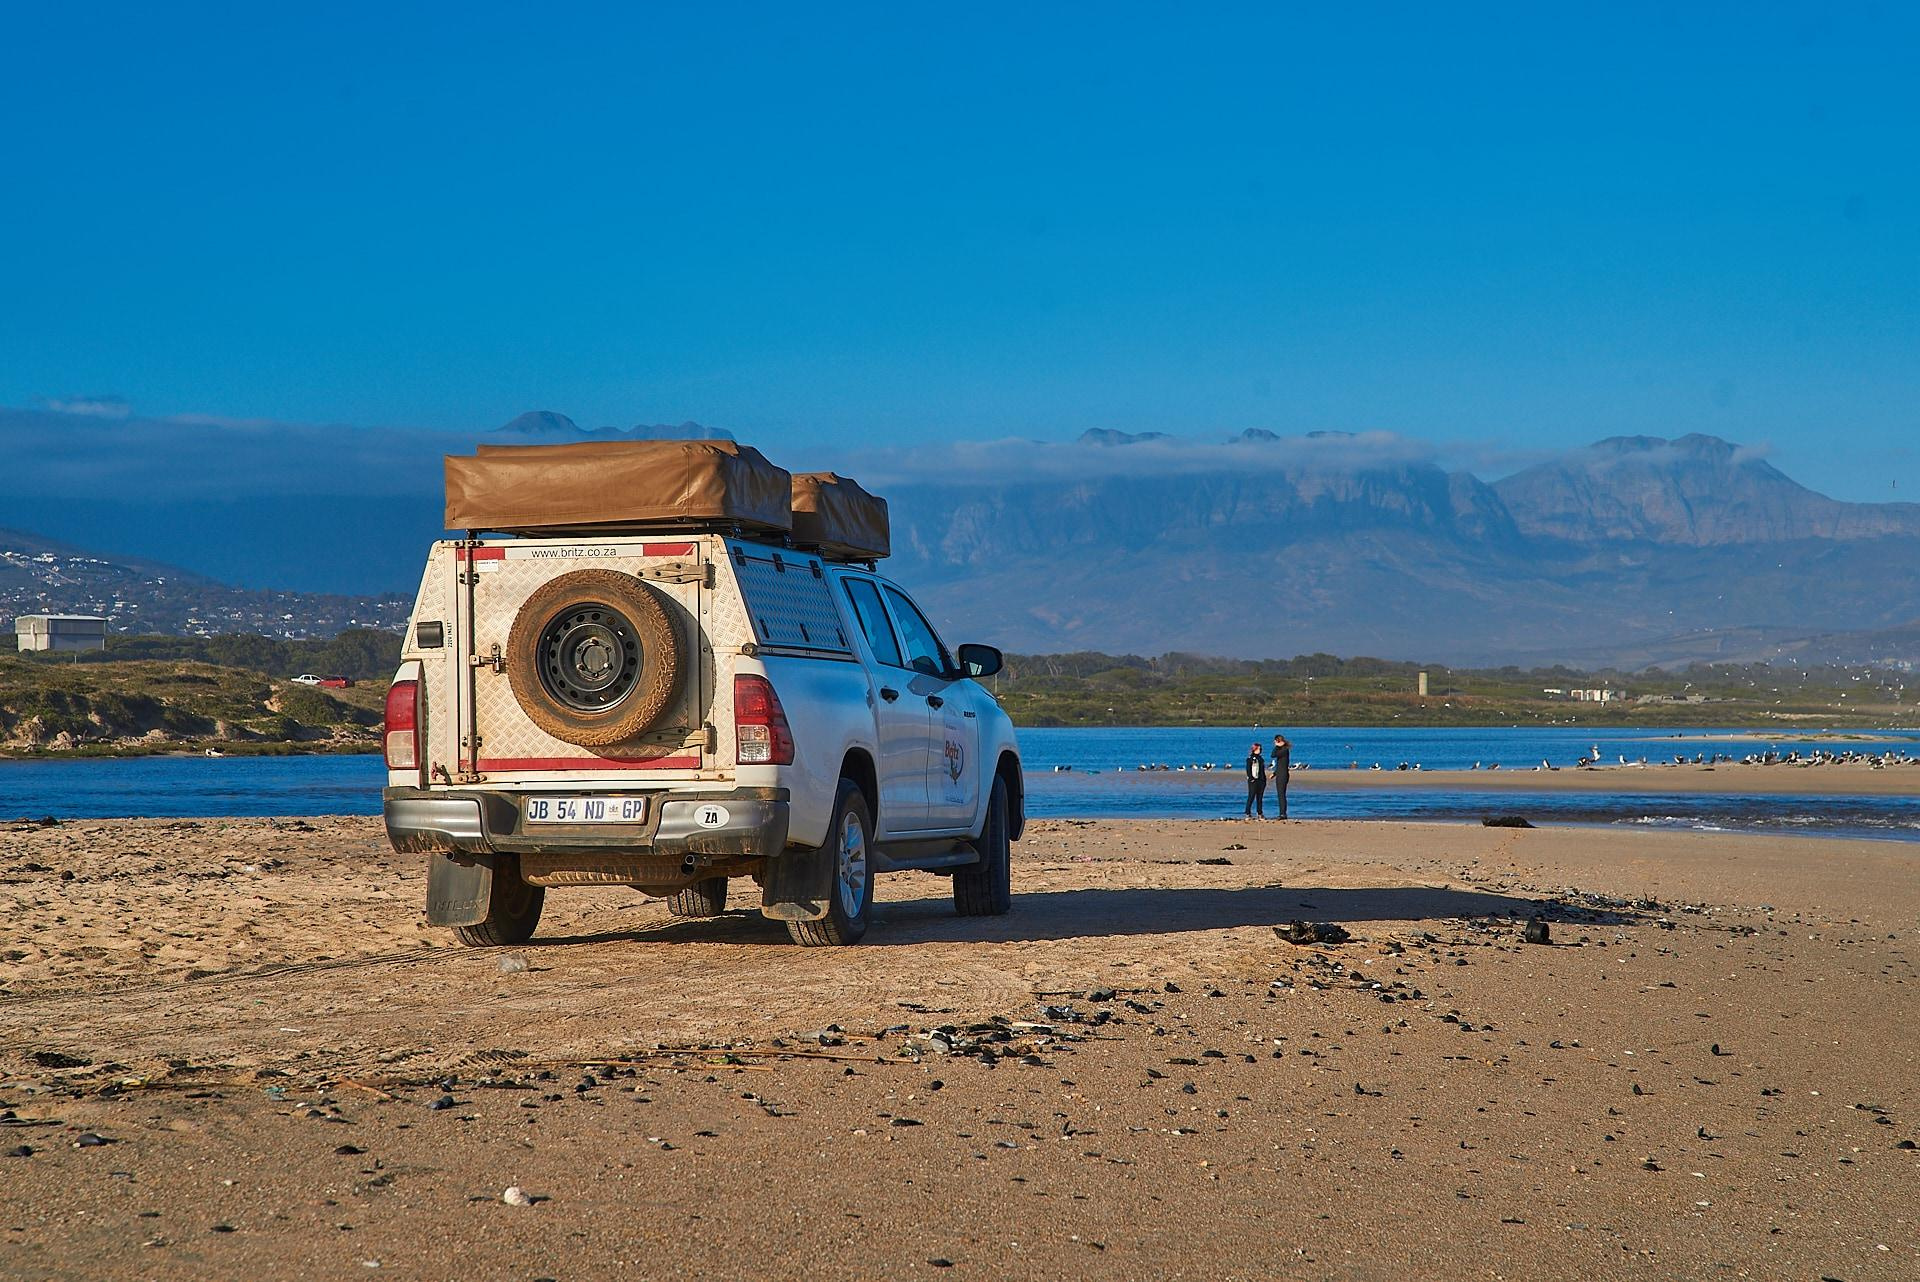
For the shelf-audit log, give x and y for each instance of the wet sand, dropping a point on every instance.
(1710, 1070)
(1835, 780)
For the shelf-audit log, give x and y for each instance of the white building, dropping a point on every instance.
(61, 632)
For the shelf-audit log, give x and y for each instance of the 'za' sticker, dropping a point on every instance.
(711, 816)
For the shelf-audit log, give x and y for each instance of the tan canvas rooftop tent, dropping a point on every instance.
(613, 485)
(835, 515)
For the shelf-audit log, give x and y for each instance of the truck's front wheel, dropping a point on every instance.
(513, 910)
(850, 896)
(986, 888)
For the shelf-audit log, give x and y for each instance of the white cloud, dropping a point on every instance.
(91, 406)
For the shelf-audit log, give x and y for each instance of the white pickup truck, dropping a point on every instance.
(667, 711)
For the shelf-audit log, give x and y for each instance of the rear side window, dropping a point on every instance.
(922, 643)
(873, 622)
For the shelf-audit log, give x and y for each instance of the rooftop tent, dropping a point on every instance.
(607, 486)
(835, 515)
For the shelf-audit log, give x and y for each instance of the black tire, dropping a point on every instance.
(849, 909)
(704, 898)
(613, 624)
(513, 910)
(985, 889)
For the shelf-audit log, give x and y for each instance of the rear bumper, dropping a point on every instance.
(706, 827)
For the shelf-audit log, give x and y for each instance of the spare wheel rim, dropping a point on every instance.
(589, 657)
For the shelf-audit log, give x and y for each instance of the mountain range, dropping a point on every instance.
(1633, 551)
(1662, 550)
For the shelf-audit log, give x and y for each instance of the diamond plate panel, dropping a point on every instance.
(788, 602)
(503, 585)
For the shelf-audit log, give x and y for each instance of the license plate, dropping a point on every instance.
(586, 810)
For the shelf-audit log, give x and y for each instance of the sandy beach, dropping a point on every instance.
(229, 1049)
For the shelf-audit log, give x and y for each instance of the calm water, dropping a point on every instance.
(1104, 781)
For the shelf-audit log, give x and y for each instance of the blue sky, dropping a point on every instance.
(1499, 229)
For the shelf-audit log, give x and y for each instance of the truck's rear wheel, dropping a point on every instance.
(704, 898)
(850, 897)
(513, 910)
(986, 889)
(594, 658)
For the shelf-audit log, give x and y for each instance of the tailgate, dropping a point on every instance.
(569, 662)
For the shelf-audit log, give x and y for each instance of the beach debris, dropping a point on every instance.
(513, 964)
(1715, 1048)
(20, 1150)
(516, 1196)
(1536, 932)
(59, 1059)
(1318, 932)
(1506, 821)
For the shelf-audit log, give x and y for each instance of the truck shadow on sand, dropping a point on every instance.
(1106, 913)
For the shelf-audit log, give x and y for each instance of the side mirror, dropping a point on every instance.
(980, 660)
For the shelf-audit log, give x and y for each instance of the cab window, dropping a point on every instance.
(917, 637)
(873, 622)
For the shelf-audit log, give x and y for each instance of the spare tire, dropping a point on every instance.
(594, 658)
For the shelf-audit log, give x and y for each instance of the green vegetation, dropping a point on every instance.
(168, 694)
(1091, 689)
(363, 654)
(51, 704)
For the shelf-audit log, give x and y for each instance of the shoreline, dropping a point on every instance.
(1834, 780)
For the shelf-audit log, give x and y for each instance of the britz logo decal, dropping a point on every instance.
(956, 760)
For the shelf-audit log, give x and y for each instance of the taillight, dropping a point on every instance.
(761, 735)
(403, 726)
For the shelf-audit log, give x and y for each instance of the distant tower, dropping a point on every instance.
(1423, 685)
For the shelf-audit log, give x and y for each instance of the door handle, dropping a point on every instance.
(934, 701)
(889, 694)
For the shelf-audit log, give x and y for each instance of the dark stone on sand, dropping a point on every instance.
(1101, 995)
(59, 1059)
(905, 1121)
(1319, 932)
(349, 1150)
(1536, 932)
(26, 1150)
(1506, 821)
(89, 1140)
(444, 1102)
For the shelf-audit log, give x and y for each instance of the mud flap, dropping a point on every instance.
(800, 885)
(459, 888)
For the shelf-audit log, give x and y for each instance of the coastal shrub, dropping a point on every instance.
(318, 708)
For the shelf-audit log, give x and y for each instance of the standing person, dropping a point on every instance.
(1282, 763)
(1256, 781)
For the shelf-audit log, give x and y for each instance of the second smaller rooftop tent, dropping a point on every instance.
(839, 518)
